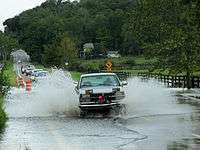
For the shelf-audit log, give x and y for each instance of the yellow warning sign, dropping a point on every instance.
(109, 65)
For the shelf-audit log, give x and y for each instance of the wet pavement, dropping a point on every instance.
(150, 124)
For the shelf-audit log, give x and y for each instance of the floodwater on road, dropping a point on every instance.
(48, 118)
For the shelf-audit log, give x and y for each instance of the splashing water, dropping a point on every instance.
(151, 98)
(52, 95)
(56, 95)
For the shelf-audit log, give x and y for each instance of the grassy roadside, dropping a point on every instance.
(3, 116)
(38, 66)
(7, 79)
(75, 75)
(12, 78)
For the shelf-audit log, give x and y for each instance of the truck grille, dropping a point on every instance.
(108, 97)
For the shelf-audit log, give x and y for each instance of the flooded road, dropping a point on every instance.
(157, 118)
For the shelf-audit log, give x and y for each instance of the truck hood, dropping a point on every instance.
(103, 89)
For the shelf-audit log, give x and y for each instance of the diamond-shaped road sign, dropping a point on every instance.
(109, 65)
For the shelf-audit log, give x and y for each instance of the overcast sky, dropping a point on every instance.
(11, 8)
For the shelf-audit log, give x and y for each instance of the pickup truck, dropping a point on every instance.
(100, 91)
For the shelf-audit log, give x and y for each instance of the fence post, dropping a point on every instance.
(164, 79)
(197, 82)
(168, 80)
(172, 81)
(192, 80)
(179, 81)
(184, 82)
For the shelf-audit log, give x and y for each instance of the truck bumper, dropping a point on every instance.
(97, 106)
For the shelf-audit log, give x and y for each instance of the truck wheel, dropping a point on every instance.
(119, 110)
(123, 109)
(106, 113)
(83, 113)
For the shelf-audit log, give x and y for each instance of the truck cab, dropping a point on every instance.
(100, 91)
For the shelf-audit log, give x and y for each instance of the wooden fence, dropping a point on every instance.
(170, 81)
(173, 81)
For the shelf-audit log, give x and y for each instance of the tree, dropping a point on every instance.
(167, 31)
(88, 21)
(62, 50)
(7, 44)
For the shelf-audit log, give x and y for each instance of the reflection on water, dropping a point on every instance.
(189, 143)
(186, 144)
(2, 131)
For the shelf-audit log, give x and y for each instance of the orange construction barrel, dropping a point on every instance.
(28, 85)
(20, 82)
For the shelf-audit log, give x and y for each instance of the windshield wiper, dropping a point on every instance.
(85, 85)
(105, 85)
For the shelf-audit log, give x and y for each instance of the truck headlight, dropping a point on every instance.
(85, 98)
(120, 93)
(88, 92)
(116, 89)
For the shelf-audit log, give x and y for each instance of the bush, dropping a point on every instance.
(4, 80)
(96, 65)
(74, 65)
(89, 67)
(3, 116)
(4, 84)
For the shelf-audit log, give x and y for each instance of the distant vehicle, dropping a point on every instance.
(33, 72)
(36, 70)
(113, 54)
(100, 91)
(38, 75)
(27, 70)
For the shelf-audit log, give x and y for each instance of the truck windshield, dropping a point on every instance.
(99, 80)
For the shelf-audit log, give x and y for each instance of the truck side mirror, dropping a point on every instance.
(76, 86)
(76, 83)
(124, 83)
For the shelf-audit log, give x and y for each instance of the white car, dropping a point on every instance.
(37, 75)
(100, 91)
(113, 54)
(27, 70)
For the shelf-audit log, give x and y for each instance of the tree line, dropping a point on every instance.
(45, 31)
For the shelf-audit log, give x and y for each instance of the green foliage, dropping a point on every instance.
(3, 116)
(11, 75)
(61, 51)
(75, 75)
(89, 21)
(168, 30)
(97, 65)
(7, 44)
(4, 80)
(5, 83)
